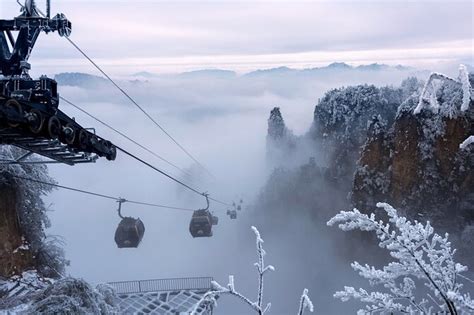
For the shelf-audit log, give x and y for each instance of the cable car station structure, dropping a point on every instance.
(30, 117)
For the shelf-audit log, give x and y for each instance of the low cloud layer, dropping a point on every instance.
(222, 119)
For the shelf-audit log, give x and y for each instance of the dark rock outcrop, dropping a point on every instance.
(342, 118)
(15, 255)
(280, 140)
(417, 165)
(24, 244)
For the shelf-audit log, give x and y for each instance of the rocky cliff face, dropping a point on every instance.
(281, 143)
(342, 118)
(15, 255)
(417, 165)
(377, 149)
(24, 244)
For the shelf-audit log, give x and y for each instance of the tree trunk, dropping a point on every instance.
(14, 258)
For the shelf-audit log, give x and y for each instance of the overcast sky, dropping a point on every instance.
(164, 36)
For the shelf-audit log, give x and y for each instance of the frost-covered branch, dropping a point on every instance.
(419, 253)
(305, 303)
(210, 298)
(430, 90)
(465, 143)
(260, 267)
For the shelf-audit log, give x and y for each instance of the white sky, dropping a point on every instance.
(169, 36)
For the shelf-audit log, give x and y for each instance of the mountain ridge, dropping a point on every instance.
(79, 78)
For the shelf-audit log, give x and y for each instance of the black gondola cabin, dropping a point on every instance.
(201, 223)
(129, 233)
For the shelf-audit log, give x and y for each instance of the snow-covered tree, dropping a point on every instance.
(421, 256)
(257, 306)
(31, 210)
(74, 296)
(29, 294)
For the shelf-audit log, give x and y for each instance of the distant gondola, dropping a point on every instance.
(232, 214)
(130, 231)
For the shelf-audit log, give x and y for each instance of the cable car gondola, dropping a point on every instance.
(130, 231)
(239, 206)
(202, 222)
(232, 214)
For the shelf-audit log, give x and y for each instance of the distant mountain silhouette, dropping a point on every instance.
(145, 74)
(336, 68)
(78, 79)
(209, 72)
(333, 67)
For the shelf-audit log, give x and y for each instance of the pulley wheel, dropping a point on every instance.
(13, 105)
(36, 121)
(94, 141)
(64, 30)
(83, 139)
(69, 134)
(110, 150)
(54, 127)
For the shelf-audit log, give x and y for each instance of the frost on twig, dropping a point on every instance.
(217, 289)
(420, 255)
(305, 303)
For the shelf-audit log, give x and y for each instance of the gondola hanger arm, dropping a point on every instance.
(206, 195)
(119, 210)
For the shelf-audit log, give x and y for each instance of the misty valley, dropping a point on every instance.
(269, 181)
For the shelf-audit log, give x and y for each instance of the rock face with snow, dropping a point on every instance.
(342, 118)
(24, 244)
(417, 164)
(14, 255)
(31, 263)
(409, 146)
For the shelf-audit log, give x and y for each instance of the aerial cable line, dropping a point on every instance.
(126, 137)
(169, 176)
(139, 107)
(100, 195)
(160, 171)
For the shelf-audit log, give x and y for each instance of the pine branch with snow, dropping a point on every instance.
(217, 289)
(305, 303)
(420, 255)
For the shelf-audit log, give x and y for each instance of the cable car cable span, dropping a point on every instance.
(160, 171)
(125, 136)
(170, 177)
(101, 195)
(139, 107)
